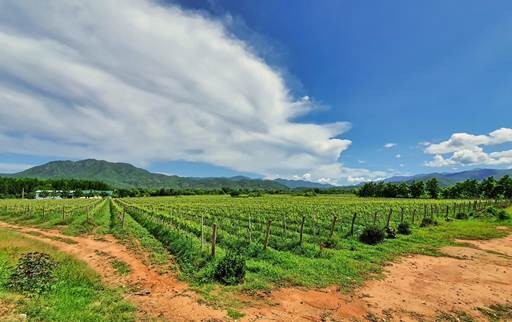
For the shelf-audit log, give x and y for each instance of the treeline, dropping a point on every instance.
(121, 193)
(27, 187)
(489, 188)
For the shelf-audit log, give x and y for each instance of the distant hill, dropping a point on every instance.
(124, 175)
(294, 184)
(448, 179)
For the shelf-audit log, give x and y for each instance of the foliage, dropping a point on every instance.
(461, 215)
(15, 187)
(230, 270)
(488, 188)
(372, 235)
(404, 228)
(390, 233)
(34, 274)
(432, 187)
(428, 221)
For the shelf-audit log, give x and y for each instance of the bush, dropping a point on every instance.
(33, 274)
(231, 269)
(372, 235)
(503, 215)
(404, 228)
(329, 243)
(428, 221)
(461, 215)
(491, 211)
(390, 233)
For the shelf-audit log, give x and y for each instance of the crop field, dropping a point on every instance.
(275, 240)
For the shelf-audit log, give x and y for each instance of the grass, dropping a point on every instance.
(77, 294)
(137, 238)
(120, 267)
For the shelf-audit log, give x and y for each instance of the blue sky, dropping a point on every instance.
(399, 72)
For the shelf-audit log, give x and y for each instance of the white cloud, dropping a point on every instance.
(467, 149)
(13, 167)
(389, 145)
(140, 82)
(398, 156)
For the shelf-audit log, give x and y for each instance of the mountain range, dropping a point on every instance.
(124, 175)
(448, 179)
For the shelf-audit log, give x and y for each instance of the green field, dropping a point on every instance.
(285, 240)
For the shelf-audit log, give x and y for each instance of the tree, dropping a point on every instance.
(488, 188)
(504, 187)
(417, 189)
(432, 187)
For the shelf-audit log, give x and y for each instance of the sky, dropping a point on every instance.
(338, 92)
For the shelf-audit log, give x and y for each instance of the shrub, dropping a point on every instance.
(503, 215)
(491, 211)
(372, 235)
(461, 215)
(231, 269)
(34, 273)
(390, 233)
(404, 228)
(428, 221)
(329, 243)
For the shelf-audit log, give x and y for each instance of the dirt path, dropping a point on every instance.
(417, 288)
(157, 296)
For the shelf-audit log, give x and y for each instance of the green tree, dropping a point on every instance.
(432, 187)
(417, 189)
(488, 188)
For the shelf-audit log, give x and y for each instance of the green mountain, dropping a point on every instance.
(297, 184)
(124, 175)
(448, 179)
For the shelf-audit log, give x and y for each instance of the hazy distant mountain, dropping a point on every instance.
(447, 179)
(124, 175)
(293, 184)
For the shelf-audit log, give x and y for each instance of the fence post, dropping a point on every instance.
(413, 215)
(63, 213)
(202, 231)
(302, 230)
(352, 225)
(332, 226)
(447, 211)
(375, 218)
(402, 215)
(389, 217)
(214, 238)
(267, 234)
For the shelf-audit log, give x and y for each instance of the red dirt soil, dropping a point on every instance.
(416, 288)
(167, 299)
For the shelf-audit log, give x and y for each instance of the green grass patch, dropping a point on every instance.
(76, 294)
(120, 267)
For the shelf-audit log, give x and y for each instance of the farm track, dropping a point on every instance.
(415, 288)
(157, 296)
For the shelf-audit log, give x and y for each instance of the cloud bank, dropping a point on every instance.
(467, 150)
(137, 81)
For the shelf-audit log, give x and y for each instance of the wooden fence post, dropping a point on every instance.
(214, 238)
(332, 226)
(402, 215)
(202, 231)
(302, 230)
(267, 234)
(413, 215)
(389, 217)
(352, 225)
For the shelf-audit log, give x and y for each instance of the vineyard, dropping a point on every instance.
(285, 239)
